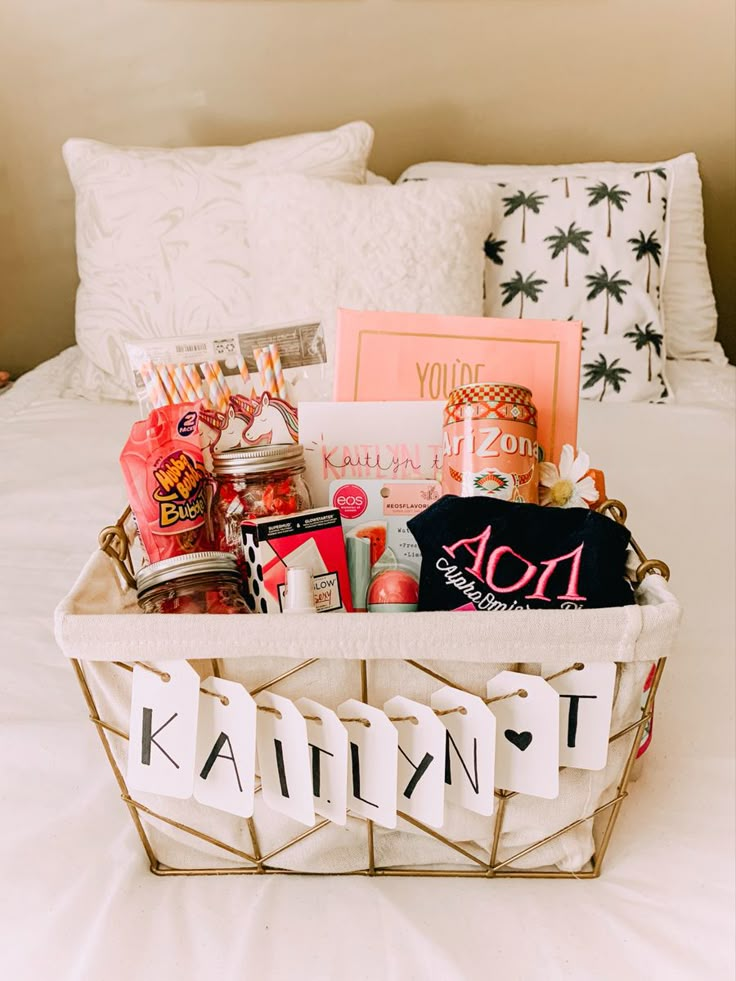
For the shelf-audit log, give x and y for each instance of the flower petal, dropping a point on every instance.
(566, 461)
(586, 489)
(548, 474)
(580, 467)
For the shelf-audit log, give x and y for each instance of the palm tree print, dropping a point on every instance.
(583, 334)
(646, 337)
(533, 201)
(493, 248)
(566, 181)
(601, 371)
(529, 288)
(659, 171)
(612, 286)
(613, 195)
(576, 237)
(646, 248)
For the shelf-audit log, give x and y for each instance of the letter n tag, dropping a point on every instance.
(470, 749)
(226, 748)
(372, 762)
(586, 701)
(421, 760)
(283, 758)
(328, 753)
(163, 729)
(528, 734)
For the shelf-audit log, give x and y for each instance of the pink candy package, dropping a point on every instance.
(167, 482)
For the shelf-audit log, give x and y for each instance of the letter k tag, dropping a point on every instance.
(163, 729)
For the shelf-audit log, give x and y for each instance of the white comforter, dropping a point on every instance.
(77, 900)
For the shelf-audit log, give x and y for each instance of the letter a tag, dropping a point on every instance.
(470, 749)
(528, 729)
(421, 760)
(283, 758)
(586, 701)
(328, 751)
(226, 748)
(372, 763)
(163, 729)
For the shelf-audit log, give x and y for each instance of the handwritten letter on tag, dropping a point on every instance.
(470, 749)
(372, 763)
(527, 749)
(163, 729)
(226, 748)
(283, 758)
(328, 749)
(586, 700)
(421, 760)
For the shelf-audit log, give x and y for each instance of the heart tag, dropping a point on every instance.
(527, 750)
(226, 747)
(470, 749)
(586, 701)
(421, 760)
(372, 762)
(163, 729)
(328, 749)
(283, 758)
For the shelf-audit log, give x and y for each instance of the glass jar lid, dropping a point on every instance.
(184, 566)
(258, 459)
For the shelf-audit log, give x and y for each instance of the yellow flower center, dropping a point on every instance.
(560, 492)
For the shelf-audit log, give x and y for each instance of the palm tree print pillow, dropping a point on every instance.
(578, 248)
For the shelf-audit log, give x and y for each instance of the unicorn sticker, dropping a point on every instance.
(273, 421)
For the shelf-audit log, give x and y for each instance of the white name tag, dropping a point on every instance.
(470, 749)
(372, 763)
(586, 700)
(421, 760)
(163, 729)
(283, 758)
(527, 728)
(328, 748)
(226, 747)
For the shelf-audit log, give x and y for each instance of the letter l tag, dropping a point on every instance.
(421, 761)
(163, 729)
(586, 701)
(470, 750)
(283, 758)
(372, 762)
(328, 751)
(226, 748)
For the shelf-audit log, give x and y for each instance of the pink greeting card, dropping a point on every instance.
(412, 356)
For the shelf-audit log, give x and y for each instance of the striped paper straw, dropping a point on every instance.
(222, 385)
(154, 389)
(195, 381)
(210, 384)
(183, 384)
(278, 371)
(167, 380)
(248, 387)
(265, 366)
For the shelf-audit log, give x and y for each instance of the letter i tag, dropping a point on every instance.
(470, 749)
(372, 763)
(586, 701)
(328, 751)
(528, 728)
(421, 760)
(226, 747)
(283, 758)
(163, 729)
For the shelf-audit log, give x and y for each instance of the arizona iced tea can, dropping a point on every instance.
(490, 443)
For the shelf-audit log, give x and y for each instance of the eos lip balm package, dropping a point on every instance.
(310, 540)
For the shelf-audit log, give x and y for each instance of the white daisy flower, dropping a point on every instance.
(567, 486)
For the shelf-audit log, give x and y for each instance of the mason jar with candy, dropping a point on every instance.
(202, 582)
(256, 482)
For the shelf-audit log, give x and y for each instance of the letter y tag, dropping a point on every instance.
(421, 762)
(163, 729)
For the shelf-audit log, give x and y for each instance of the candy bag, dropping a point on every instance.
(167, 482)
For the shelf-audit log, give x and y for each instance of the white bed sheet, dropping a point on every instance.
(77, 900)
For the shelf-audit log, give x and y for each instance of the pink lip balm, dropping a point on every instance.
(393, 591)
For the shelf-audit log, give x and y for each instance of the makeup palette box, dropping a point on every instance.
(310, 540)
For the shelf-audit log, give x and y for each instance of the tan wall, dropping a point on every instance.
(482, 80)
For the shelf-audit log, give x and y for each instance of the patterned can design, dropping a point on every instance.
(490, 443)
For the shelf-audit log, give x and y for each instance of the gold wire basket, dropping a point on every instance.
(255, 861)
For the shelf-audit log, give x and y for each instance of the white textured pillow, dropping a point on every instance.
(688, 302)
(320, 245)
(162, 237)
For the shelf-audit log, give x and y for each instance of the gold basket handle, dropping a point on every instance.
(113, 541)
(617, 510)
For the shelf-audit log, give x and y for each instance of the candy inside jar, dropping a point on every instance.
(257, 482)
(203, 582)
